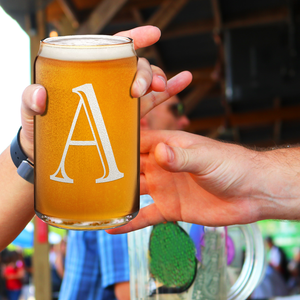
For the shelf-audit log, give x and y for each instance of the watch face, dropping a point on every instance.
(26, 171)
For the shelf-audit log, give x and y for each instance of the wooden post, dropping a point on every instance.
(41, 266)
(36, 28)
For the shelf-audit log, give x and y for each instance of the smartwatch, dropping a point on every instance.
(19, 158)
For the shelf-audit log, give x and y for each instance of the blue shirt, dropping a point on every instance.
(95, 261)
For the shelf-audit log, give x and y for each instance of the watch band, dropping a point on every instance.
(20, 159)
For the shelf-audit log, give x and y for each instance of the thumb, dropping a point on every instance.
(33, 103)
(176, 159)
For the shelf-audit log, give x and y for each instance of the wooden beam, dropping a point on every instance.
(144, 4)
(167, 11)
(196, 95)
(137, 16)
(262, 17)
(41, 265)
(247, 119)
(163, 16)
(206, 26)
(218, 20)
(190, 28)
(70, 11)
(101, 15)
(152, 51)
(64, 26)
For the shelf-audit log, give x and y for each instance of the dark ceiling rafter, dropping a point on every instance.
(100, 16)
(196, 95)
(218, 20)
(70, 11)
(163, 16)
(205, 26)
(152, 52)
(166, 12)
(255, 118)
(219, 72)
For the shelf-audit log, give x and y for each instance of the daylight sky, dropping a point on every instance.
(14, 76)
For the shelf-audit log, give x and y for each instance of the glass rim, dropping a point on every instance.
(87, 48)
(254, 265)
(122, 41)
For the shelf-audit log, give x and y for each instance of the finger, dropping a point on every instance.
(159, 80)
(142, 36)
(143, 180)
(149, 140)
(174, 86)
(148, 143)
(143, 162)
(147, 216)
(143, 78)
(148, 78)
(177, 159)
(143, 185)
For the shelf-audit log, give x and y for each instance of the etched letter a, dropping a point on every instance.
(113, 172)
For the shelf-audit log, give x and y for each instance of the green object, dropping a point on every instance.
(172, 256)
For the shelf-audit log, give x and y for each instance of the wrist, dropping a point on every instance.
(27, 146)
(20, 159)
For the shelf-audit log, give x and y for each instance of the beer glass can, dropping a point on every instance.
(87, 140)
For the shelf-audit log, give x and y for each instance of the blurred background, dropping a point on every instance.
(244, 57)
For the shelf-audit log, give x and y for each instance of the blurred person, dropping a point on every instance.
(294, 280)
(169, 115)
(13, 273)
(272, 285)
(294, 270)
(57, 265)
(28, 289)
(277, 258)
(3, 256)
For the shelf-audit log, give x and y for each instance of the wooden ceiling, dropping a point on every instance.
(192, 39)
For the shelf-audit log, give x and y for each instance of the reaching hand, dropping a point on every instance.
(199, 180)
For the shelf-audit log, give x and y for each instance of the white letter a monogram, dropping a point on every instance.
(113, 172)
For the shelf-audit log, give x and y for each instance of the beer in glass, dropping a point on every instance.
(87, 141)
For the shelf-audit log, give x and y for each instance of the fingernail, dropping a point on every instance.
(170, 153)
(34, 105)
(163, 80)
(142, 86)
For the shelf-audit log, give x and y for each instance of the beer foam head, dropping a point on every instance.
(87, 48)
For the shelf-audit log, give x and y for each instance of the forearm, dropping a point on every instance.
(278, 186)
(16, 200)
